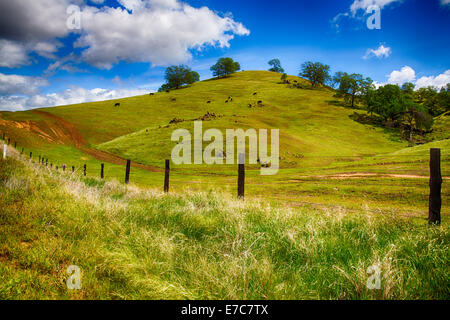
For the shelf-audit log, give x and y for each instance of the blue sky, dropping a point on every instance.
(123, 46)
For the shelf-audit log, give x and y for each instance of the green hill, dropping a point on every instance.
(309, 120)
(318, 139)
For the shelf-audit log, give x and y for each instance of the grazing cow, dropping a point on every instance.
(226, 101)
(152, 94)
(208, 102)
(173, 99)
(249, 105)
(117, 105)
(255, 93)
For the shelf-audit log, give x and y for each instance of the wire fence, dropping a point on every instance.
(435, 172)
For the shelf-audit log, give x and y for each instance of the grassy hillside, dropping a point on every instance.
(326, 157)
(132, 243)
(309, 120)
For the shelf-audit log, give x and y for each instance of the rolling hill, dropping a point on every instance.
(318, 140)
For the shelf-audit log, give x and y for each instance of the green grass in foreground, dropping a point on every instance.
(133, 243)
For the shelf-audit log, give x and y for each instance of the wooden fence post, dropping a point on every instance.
(166, 177)
(84, 169)
(127, 172)
(5, 147)
(23, 150)
(31, 155)
(46, 162)
(73, 169)
(434, 213)
(9, 141)
(241, 176)
(102, 171)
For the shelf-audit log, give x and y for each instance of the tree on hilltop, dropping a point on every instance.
(276, 66)
(316, 72)
(225, 67)
(178, 76)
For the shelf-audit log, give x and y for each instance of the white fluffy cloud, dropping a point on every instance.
(438, 81)
(13, 103)
(156, 31)
(359, 9)
(46, 49)
(406, 74)
(35, 21)
(380, 52)
(160, 32)
(365, 4)
(444, 2)
(17, 85)
(31, 26)
(73, 95)
(13, 54)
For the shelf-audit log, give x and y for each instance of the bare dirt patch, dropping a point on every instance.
(358, 175)
(58, 130)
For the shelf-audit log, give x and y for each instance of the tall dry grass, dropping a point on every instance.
(133, 243)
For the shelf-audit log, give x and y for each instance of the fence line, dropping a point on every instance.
(435, 199)
(166, 176)
(434, 214)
